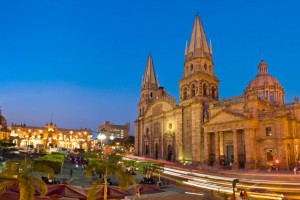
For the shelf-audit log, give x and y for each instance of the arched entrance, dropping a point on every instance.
(170, 153)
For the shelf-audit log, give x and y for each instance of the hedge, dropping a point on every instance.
(55, 161)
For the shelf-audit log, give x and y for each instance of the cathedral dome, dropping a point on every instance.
(263, 79)
(267, 86)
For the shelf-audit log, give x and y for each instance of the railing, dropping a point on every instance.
(170, 99)
(288, 105)
(231, 101)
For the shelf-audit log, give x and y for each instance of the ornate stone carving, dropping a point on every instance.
(157, 109)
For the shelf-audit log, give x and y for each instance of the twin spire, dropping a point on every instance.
(149, 79)
(198, 46)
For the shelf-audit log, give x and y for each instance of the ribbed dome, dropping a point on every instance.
(266, 86)
(263, 79)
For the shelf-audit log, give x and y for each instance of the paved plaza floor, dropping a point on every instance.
(171, 191)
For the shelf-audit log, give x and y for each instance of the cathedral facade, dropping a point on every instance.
(254, 130)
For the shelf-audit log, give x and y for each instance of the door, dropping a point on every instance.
(229, 155)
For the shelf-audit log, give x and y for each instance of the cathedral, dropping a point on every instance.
(255, 130)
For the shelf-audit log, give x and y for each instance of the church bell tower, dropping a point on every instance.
(199, 81)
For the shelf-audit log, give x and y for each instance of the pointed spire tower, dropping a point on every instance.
(149, 87)
(198, 45)
(149, 80)
(199, 81)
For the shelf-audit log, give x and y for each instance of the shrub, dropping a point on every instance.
(129, 163)
(55, 161)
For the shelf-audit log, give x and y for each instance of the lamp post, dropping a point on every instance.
(101, 137)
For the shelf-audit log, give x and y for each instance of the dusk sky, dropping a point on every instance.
(82, 61)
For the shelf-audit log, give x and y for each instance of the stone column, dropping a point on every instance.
(221, 134)
(249, 147)
(235, 164)
(206, 148)
(217, 150)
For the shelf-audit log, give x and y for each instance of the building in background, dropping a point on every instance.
(50, 136)
(4, 132)
(118, 131)
(255, 129)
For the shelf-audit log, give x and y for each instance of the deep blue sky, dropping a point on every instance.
(83, 61)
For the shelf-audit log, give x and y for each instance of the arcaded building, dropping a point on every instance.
(255, 129)
(50, 136)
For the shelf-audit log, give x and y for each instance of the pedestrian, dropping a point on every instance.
(71, 172)
(245, 195)
(241, 194)
(295, 170)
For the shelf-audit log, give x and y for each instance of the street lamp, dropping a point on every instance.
(101, 137)
(112, 137)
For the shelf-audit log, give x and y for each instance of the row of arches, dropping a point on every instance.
(199, 67)
(205, 90)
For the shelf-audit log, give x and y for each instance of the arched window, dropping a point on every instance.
(192, 67)
(193, 90)
(204, 90)
(205, 67)
(184, 96)
(170, 126)
(151, 94)
(272, 100)
(213, 91)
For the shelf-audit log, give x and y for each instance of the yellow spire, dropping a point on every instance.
(150, 81)
(198, 45)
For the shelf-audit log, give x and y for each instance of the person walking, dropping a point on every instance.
(241, 194)
(245, 195)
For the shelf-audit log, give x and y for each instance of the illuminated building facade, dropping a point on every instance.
(50, 136)
(255, 129)
(4, 132)
(118, 131)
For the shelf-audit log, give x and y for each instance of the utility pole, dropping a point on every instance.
(234, 186)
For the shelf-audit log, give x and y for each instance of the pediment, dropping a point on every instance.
(157, 108)
(225, 117)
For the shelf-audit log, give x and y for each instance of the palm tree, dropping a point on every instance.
(107, 165)
(27, 175)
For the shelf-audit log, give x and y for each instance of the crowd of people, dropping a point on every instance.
(78, 160)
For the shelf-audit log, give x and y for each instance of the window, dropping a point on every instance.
(188, 123)
(193, 91)
(272, 97)
(204, 90)
(205, 67)
(170, 126)
(184, 94)
(147, 131)
(270, 153)
(268, 131)
(213, 90)
(262, 95)
(192, 67)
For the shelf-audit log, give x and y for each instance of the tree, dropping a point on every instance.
(128, 142)
(26, 175)
(107, 165)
